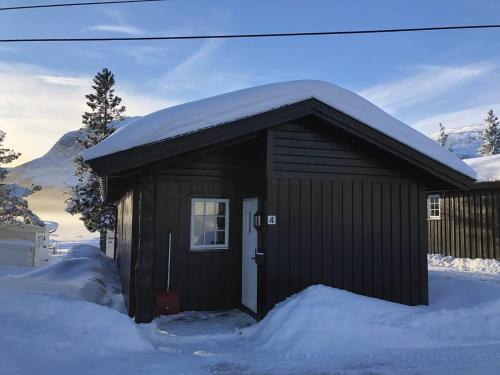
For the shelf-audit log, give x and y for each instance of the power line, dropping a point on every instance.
(20, 7)
(247, 36)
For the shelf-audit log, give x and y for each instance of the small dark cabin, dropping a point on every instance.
(289, 193)
(466, 224)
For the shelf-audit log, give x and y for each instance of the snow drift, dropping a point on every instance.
(83, 274)
(71, 303)
(322, 320)
(218, 110)
(449, 263)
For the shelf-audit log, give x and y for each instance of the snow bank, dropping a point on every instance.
(322, 320)
(62, 313)
(487, 167)
(57, 324)
(82, 274)
(449, 263)
(194, 116)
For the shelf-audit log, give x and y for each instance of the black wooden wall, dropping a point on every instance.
(126, 246)
(346, 217)
(205, 280)
(469, 226)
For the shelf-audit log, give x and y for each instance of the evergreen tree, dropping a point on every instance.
(85, 197)
(443, 136)
(491, 135)
(13, 204)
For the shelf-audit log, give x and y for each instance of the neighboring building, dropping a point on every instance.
(262, 192)
(466, 224)
(25, 244)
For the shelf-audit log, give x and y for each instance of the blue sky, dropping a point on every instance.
(421, 78)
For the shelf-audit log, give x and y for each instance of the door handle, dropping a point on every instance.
(256, 254)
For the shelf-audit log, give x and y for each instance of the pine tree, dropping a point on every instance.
(85, 197)
(491, 135)
(443, 136)
(13, 204)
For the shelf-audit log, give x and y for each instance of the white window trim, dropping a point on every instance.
(225, 246)
(429, 216)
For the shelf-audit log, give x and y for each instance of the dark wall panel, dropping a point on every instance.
(309, 148)
(205, 280)
(347, 217)
(469, 226)
(339, 225)
(126, 246)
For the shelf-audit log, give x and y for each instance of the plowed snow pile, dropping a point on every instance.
(323, 320)
(448, 263)
(59, 308)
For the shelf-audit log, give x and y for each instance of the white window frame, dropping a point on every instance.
(429, 209)
(204, 247)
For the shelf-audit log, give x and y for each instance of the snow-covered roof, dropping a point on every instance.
(487, 167)
(221, 109)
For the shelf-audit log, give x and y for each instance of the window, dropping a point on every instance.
(433, 206)
(209, 223)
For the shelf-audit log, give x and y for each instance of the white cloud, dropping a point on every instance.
(199, 75)
(428, 83)
(65, 81)
(148, 55)
(38, 105)
(118, 28)
(118, 24)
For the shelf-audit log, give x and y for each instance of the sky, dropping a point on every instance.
(420, 78)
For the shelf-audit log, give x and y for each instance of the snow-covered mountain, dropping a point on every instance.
(465, 140)
(55, 169)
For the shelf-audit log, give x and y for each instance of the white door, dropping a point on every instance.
(248, 248)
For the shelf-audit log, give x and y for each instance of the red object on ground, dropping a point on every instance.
(167, 302)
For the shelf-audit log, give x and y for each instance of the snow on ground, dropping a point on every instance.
(67, 317)
(479, 267)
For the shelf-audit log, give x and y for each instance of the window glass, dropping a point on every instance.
(433, 206)
(209, 223)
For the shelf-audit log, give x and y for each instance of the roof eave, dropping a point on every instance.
(142, 155)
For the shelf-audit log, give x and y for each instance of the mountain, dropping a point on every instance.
(55, 169)
(464, 141)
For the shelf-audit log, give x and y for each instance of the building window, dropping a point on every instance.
(433, 206)
(209, 223)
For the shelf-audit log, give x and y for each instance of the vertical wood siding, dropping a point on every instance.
(374, 248)
(469, 226)
(345, 218)
(126, 247)
(205, 280)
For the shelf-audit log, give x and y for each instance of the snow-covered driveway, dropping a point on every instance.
(67, 317)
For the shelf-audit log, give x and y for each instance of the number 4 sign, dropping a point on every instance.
(271, 219)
